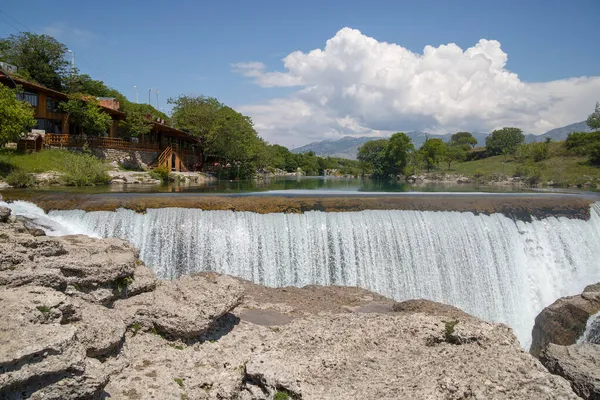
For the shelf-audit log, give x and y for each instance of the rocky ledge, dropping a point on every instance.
(83, 318)
(566, 338)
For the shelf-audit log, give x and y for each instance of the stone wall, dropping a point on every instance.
(131, 159)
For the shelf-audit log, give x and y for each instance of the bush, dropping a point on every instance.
(530, 174)
(20, 179)
(160, 173)
(84, 170)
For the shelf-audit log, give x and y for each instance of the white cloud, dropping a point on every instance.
(357, 85)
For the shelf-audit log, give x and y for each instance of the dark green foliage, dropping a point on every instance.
(453, 152)
(585, 144)
(465, 139)
(40, 58)
(16, 117)
(372, 155)
(504, 141)
(397, 152)
(20, 179)
(86, 113)
(432, 152)
(530, 173)
(160, 173)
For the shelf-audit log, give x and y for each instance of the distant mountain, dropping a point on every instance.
(347, 147)
(559, 134)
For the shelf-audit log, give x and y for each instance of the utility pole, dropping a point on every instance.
(137, 100)
(72, 61)
(157, 107)
(149, 91)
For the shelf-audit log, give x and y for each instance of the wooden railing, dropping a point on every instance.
(164, 160)
(104, 142)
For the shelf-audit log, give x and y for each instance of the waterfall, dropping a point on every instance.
(592, 330)
(492, 266)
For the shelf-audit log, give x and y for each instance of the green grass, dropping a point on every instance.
(562, 167)
(79, 169)
(281, 396)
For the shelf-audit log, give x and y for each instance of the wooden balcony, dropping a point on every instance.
(61, 140)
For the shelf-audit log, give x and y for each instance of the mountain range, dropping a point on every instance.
(347, 147)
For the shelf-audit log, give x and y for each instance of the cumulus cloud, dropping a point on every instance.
(357, 85)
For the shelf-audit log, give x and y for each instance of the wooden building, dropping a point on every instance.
(174, 148)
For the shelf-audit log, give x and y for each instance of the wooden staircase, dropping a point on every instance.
(170, 159)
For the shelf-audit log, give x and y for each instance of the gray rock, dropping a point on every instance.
(4, 214)
(184, 308)
(99, 329)
(579, 364)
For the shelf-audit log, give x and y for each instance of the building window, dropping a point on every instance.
(52, 105)
(29, 97)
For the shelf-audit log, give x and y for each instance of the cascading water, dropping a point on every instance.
(592, 330)
(490, 266)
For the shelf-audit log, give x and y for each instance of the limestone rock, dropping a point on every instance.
(184, 308)
(579, 364)
(564, 321)
(100, 330)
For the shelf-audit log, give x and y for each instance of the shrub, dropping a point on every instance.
(84, 170)
(530, 173)
(20, 179)
(160, 173)
(281, 396)
(449, 331)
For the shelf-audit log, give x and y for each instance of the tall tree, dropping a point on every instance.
(593, 121)
(372, 155)
(398, 148)
(454, 152)
(86, 112)
(136, 124)
(16, 116)
(195, 115)
(432, 151)
(504, 141)
(38, 57)
(233, 137)
(463, 139)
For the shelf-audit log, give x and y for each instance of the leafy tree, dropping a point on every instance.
(38, 57)
(373, 155)
(233, 137)
(16, 117)
(453, 152)
(504, 141)
(432, 151)
(136, 124)
(396, 153)
(195, 115)
(86, 112)
(593, 121)
(465, 139)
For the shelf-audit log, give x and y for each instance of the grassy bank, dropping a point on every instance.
(563, 168)
(77, 169)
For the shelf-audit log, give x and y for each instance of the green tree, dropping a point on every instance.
(453, 152)
(593, 121)
(373, 156)
(16, 117)
(463, 139)
(136, 124)
(86, 113)
(195, 115)
(397, 150)
(38, 57)
(504, 141)
(432, 151)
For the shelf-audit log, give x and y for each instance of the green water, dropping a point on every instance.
(291, 184)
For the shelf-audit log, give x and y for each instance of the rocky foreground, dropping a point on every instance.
(83, 318)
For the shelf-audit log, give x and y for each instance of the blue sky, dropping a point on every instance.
(189, 47)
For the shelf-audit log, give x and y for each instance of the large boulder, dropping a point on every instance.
(579, 364)
(564, 321)
(184, 308)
